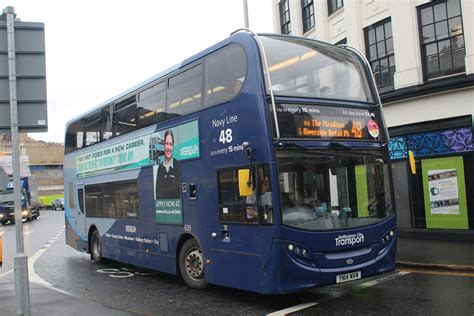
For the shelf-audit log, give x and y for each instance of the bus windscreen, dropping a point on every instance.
(310, 69)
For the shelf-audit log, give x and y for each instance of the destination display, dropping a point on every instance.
(325, 122)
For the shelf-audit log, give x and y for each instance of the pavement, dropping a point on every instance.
(435, 254)
(411, 253)
(48, 301)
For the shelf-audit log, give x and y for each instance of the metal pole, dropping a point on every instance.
(246, 14)
(21, 260)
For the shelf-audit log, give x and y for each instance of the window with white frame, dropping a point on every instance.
(380, 53)
(441, 38)
(334, 5)
(307, 9)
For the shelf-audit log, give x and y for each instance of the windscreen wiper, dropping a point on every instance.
(291, 145)
(369, 152)
(339, 145)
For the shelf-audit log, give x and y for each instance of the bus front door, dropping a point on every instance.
(241, 233)
(236, 256)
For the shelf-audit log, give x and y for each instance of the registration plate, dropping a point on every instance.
(346, 277)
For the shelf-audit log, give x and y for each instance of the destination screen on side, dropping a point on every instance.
(325, 122)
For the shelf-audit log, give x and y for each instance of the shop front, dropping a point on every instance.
(437, 201)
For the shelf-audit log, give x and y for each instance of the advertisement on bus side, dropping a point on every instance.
(164, 150)
(168, 148)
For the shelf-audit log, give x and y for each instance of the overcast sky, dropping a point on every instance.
(98, 49)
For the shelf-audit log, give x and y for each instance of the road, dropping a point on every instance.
(149, 293)
(36, 235)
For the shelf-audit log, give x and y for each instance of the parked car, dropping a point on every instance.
(58, 204)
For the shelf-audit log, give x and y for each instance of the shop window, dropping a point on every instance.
(401, 185)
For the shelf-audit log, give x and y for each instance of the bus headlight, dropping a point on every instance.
(298, 250)
(1, 215)
(388, 236)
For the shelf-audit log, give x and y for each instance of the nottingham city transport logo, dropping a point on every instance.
(352, 239)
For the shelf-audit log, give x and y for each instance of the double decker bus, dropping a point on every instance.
(260, 163)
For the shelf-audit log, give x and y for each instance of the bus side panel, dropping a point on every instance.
(141, 242)
(71, 236)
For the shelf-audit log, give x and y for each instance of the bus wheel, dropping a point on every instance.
(191, 265)
(96, 249)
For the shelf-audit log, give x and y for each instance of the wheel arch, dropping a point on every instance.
(89, 237)
(184, 238)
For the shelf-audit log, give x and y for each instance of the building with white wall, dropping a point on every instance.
(422, 56)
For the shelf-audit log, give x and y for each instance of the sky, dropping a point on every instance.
(97, 49)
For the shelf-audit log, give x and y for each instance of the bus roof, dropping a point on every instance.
(237, 35)
(161, 74)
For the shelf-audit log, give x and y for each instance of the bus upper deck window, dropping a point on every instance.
(226, 71)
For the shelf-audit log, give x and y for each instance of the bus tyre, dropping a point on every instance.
(191, 265)
(96, 248)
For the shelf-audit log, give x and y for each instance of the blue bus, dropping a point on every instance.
(260, 163)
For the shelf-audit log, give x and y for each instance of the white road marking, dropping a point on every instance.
(292, 309)
(380, 280)
(31, 270)
(5, 273)
(31, 262)
(116, 273)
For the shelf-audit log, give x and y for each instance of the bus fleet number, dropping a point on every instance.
(225, 136)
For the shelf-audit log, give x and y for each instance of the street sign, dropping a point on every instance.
(30, 77)
(26, 97)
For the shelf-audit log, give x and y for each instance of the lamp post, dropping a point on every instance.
(246, 14)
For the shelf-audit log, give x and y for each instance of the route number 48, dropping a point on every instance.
(225, 136)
